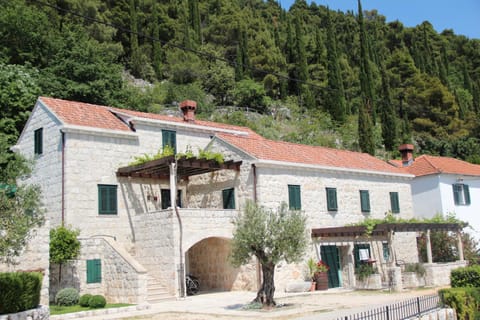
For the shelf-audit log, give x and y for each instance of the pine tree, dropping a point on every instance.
(365, 125)
(336, 96)
(388, 114)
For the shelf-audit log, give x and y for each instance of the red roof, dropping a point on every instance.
(427, 165)
(265, 149)
(103, 117)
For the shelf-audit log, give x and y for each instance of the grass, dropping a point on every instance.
(54, 310)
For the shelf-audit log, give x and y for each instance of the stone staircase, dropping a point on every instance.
(156, 292)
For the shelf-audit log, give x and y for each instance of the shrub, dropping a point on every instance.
(465, 277)
(67, 297)
(19, 291)
(84, 300)
(465, 301)
(97, 301)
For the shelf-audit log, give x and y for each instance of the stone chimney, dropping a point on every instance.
(188, 108)
(407, 154)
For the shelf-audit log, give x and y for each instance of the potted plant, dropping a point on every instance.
(321, 276)
(312, 268)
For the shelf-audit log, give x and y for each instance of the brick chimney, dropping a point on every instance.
(188, 108)
(407, 154)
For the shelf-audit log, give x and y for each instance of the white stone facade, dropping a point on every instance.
(155, 242)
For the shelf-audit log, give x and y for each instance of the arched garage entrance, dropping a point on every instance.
(208, 261)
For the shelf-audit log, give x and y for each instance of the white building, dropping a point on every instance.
(133, 240)
(443, 185)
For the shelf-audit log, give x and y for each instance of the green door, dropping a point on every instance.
(331, 257)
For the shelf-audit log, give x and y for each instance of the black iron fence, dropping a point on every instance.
(406, 309)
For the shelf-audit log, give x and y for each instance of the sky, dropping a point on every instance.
(463, 16)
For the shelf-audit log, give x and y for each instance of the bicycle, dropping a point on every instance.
(192, 284)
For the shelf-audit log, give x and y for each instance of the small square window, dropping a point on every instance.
(166, 199)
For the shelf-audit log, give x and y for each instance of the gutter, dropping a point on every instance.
(282, 164)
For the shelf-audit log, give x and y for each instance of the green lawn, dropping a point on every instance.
(54, 310)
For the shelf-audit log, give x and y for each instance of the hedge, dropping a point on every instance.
(465, 301)
(466, 277)
(19, 291)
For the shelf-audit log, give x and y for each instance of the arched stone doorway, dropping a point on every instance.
(208, 261)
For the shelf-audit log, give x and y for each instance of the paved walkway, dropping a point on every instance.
(324, 305)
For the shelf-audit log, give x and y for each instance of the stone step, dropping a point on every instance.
(156, 292)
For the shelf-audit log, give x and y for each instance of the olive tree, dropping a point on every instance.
(271, 236)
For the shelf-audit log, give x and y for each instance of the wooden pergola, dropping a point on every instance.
(185, 167)
(388, 229)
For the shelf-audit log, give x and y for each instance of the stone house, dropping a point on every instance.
(137, 247)
(443, 185)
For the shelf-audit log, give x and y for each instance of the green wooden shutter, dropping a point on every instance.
(394, 203)
(228, 198)
(332, 199)
(356, 252)
(38, 141)
(466, 194)
(94, 271)
(169, 138)
(365, 200)
(107, 199)
(294, 197)
(456, 193)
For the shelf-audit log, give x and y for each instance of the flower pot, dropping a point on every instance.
(321, 279)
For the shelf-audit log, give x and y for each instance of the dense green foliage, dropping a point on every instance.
(270, 236)
(64, 244)
(84, 299)
(465, 301)
(465, 277)
(20, 207)
(67, 297)
(97, 301)
(19, 291)
(317, 76)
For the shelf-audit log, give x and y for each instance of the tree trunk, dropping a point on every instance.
(267, 290)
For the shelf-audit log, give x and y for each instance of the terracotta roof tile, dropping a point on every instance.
(84, 114)
(96, 116)
(427, 165)
(265, 149)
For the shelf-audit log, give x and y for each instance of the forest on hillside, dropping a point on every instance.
(308, 75)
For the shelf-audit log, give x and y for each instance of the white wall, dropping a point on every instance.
(427, 198)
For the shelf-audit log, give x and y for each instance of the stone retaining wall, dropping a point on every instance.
(40, 313)
(438, 274)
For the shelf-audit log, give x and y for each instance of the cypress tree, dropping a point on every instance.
(336, 96)
(156, 45)
(301, 67)
(388, 114)
(134, 50)
(195, 23)
(365, 126)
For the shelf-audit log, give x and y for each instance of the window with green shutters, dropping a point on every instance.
(361, 253)
(94, 271)
(461, 194)
(365, 200)
(386, 251)
(166, 199)
(394, 203)
(228, 196)
(294, 197)
(107, 199)
(332, 199)
(38, 141)
(169, 138)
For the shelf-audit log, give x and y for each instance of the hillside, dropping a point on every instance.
(307, 75)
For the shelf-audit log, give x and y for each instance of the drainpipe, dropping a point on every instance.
(63, 177)
(173, 200)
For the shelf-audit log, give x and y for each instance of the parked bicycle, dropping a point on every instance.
(192, 284)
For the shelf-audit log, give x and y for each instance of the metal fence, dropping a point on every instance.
(406, 309)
